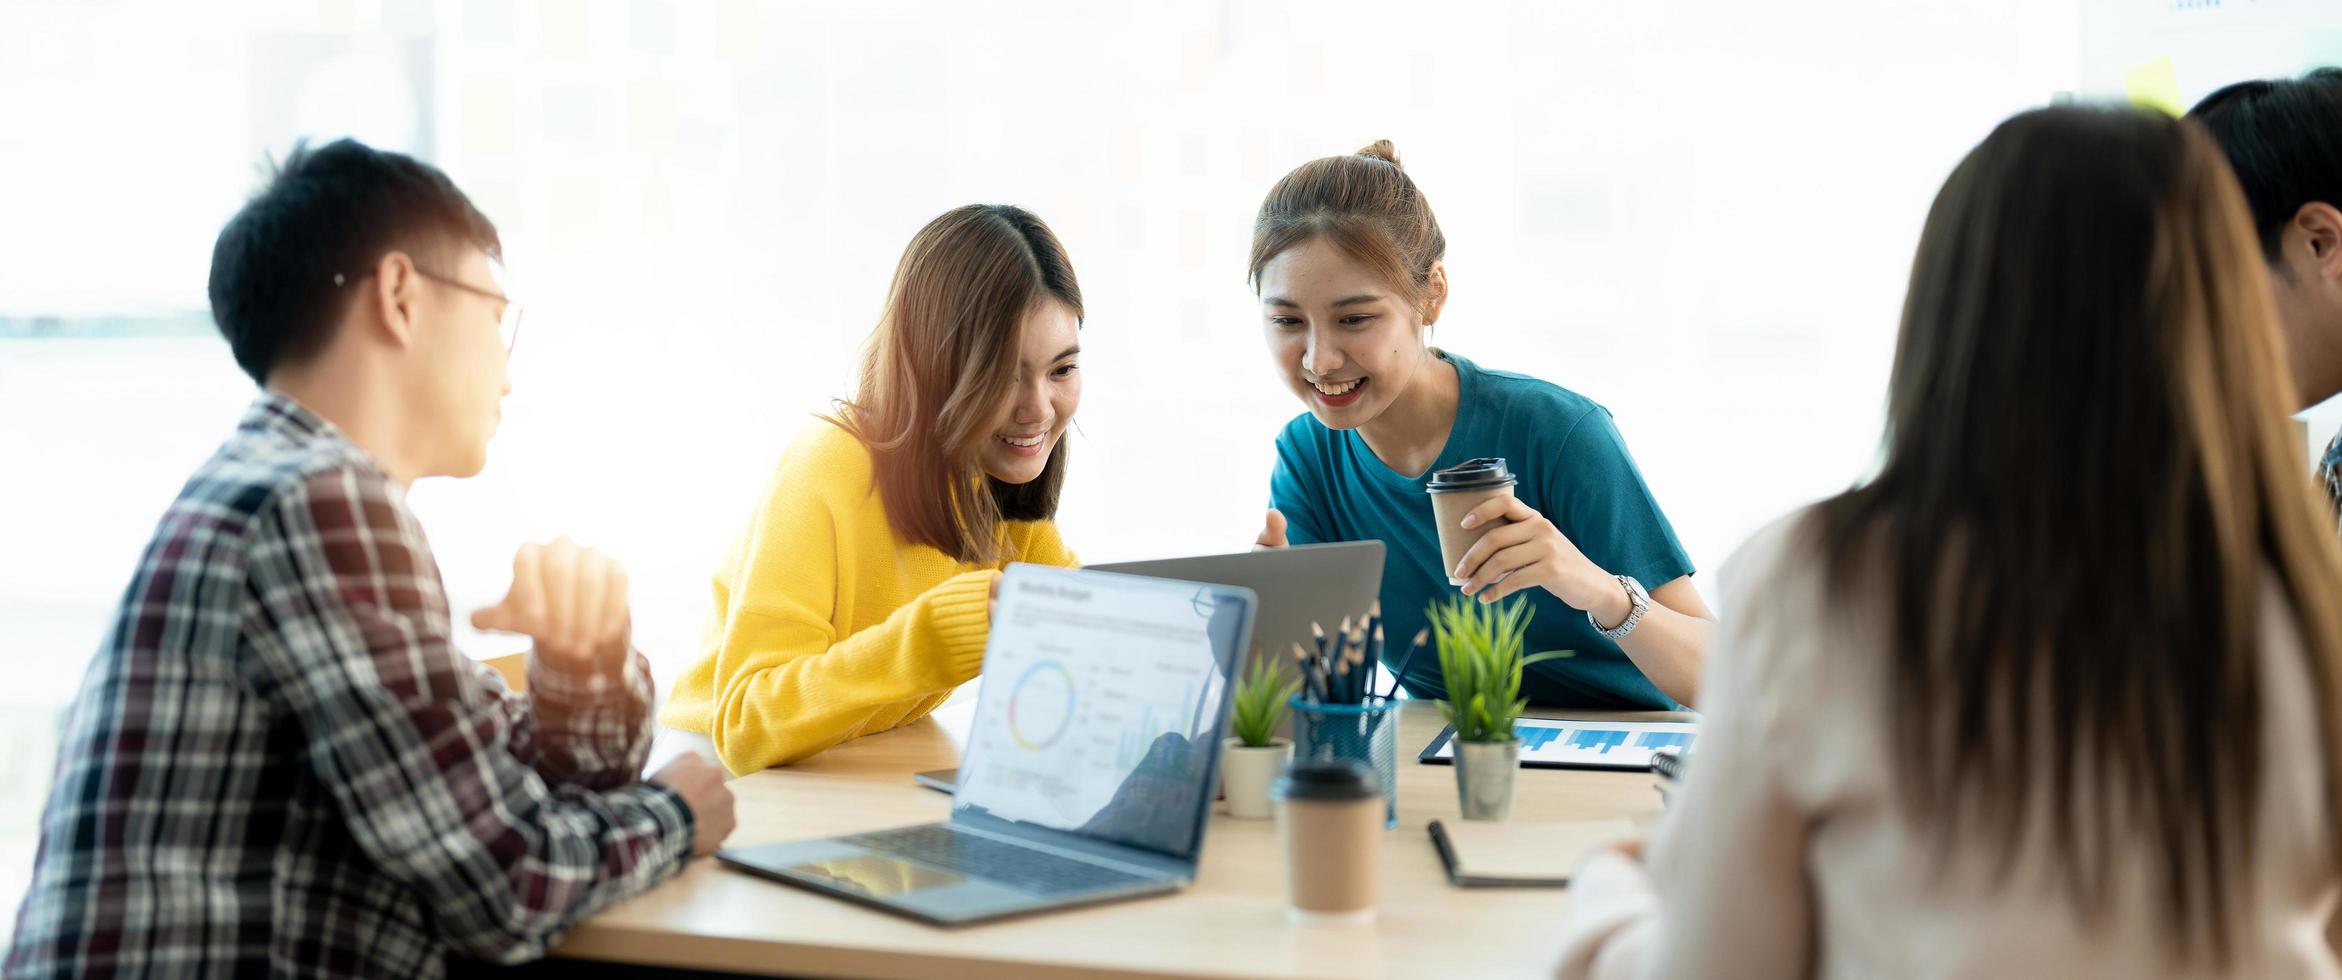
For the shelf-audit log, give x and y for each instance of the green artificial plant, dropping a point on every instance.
(1481, 655)
(1262, 696)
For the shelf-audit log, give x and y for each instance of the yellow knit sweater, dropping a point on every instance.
(828, 625)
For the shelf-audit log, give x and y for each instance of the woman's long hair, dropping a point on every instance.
(2087, 477)
(942, 362)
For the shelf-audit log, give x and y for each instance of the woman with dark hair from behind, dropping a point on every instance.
(858, 597)
(2054, 693)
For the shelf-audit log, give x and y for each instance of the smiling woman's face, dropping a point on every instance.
(1048, 391)
(1344, 342)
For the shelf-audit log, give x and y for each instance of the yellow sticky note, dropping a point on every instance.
(2156, 85)
(650, 113)
(658, 210)
(337, 16)
(563, 31)
(577, 215)
(488, 117)
(737, 30)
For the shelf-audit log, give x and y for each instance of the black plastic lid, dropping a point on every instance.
(1326, 779)
(1472, 474)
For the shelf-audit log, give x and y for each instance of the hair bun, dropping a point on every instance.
(1383, 150)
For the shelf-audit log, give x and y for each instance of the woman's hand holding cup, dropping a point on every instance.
(1527, 550)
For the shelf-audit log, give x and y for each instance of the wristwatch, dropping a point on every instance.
(1641, 603)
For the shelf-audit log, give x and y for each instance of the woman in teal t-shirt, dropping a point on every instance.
(1346, 260)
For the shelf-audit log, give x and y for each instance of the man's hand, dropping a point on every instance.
(701, 784)
(571, 600)
(1272, 534)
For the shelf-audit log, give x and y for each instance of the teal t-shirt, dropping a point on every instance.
(1573, 467)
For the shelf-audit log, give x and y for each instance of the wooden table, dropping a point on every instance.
(1231, 923)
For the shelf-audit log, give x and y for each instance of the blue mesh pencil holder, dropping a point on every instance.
(1366, 733)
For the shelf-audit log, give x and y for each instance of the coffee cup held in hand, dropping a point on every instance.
(1331, 817)
(1456, 492)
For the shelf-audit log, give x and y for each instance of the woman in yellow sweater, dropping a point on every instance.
(858, 597)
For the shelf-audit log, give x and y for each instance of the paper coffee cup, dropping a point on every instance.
(1331, 817)
(1455, 492)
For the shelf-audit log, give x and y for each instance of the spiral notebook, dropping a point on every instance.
(1539, 854)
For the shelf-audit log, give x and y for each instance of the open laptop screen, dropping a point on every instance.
(1103, 701)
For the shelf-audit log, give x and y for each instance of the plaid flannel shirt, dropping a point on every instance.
(2330, 472)
(278, 764)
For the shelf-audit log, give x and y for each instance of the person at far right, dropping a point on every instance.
(2283, 138)
(2054, 693)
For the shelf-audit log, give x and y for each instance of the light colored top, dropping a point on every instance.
(1787, 854)
(828, 623)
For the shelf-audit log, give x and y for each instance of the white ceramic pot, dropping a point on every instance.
(1246, 772)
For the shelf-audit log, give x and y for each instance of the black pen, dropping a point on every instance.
(1353, 664)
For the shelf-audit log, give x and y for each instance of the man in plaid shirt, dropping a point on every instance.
(278, 764)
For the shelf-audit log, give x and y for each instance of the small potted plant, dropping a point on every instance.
(1255, 754)
(1481, 655)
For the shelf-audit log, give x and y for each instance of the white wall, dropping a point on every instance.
(1700, 214)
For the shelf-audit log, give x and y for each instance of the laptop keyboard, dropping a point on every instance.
(978, 857)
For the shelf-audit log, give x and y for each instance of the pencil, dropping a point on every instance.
(1309, 684)
(1341, 656)
(1421, 637)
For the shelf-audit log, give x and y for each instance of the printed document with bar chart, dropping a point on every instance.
(1551, 744)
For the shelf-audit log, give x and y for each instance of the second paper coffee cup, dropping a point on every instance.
(1331, 812)
(1455, 491)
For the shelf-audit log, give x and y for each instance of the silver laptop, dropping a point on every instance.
(1304, 584)
(1087, 770)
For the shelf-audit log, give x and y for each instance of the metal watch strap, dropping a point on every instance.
(1639, 602)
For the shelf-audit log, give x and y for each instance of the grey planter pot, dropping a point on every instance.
(1484, 778)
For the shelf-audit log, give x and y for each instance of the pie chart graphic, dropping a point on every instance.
(1040, 706)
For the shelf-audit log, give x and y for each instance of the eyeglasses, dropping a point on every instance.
(507, 325)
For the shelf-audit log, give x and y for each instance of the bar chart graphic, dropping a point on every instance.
(1586, 745)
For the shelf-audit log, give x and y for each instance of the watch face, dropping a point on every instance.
(1638, 602)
